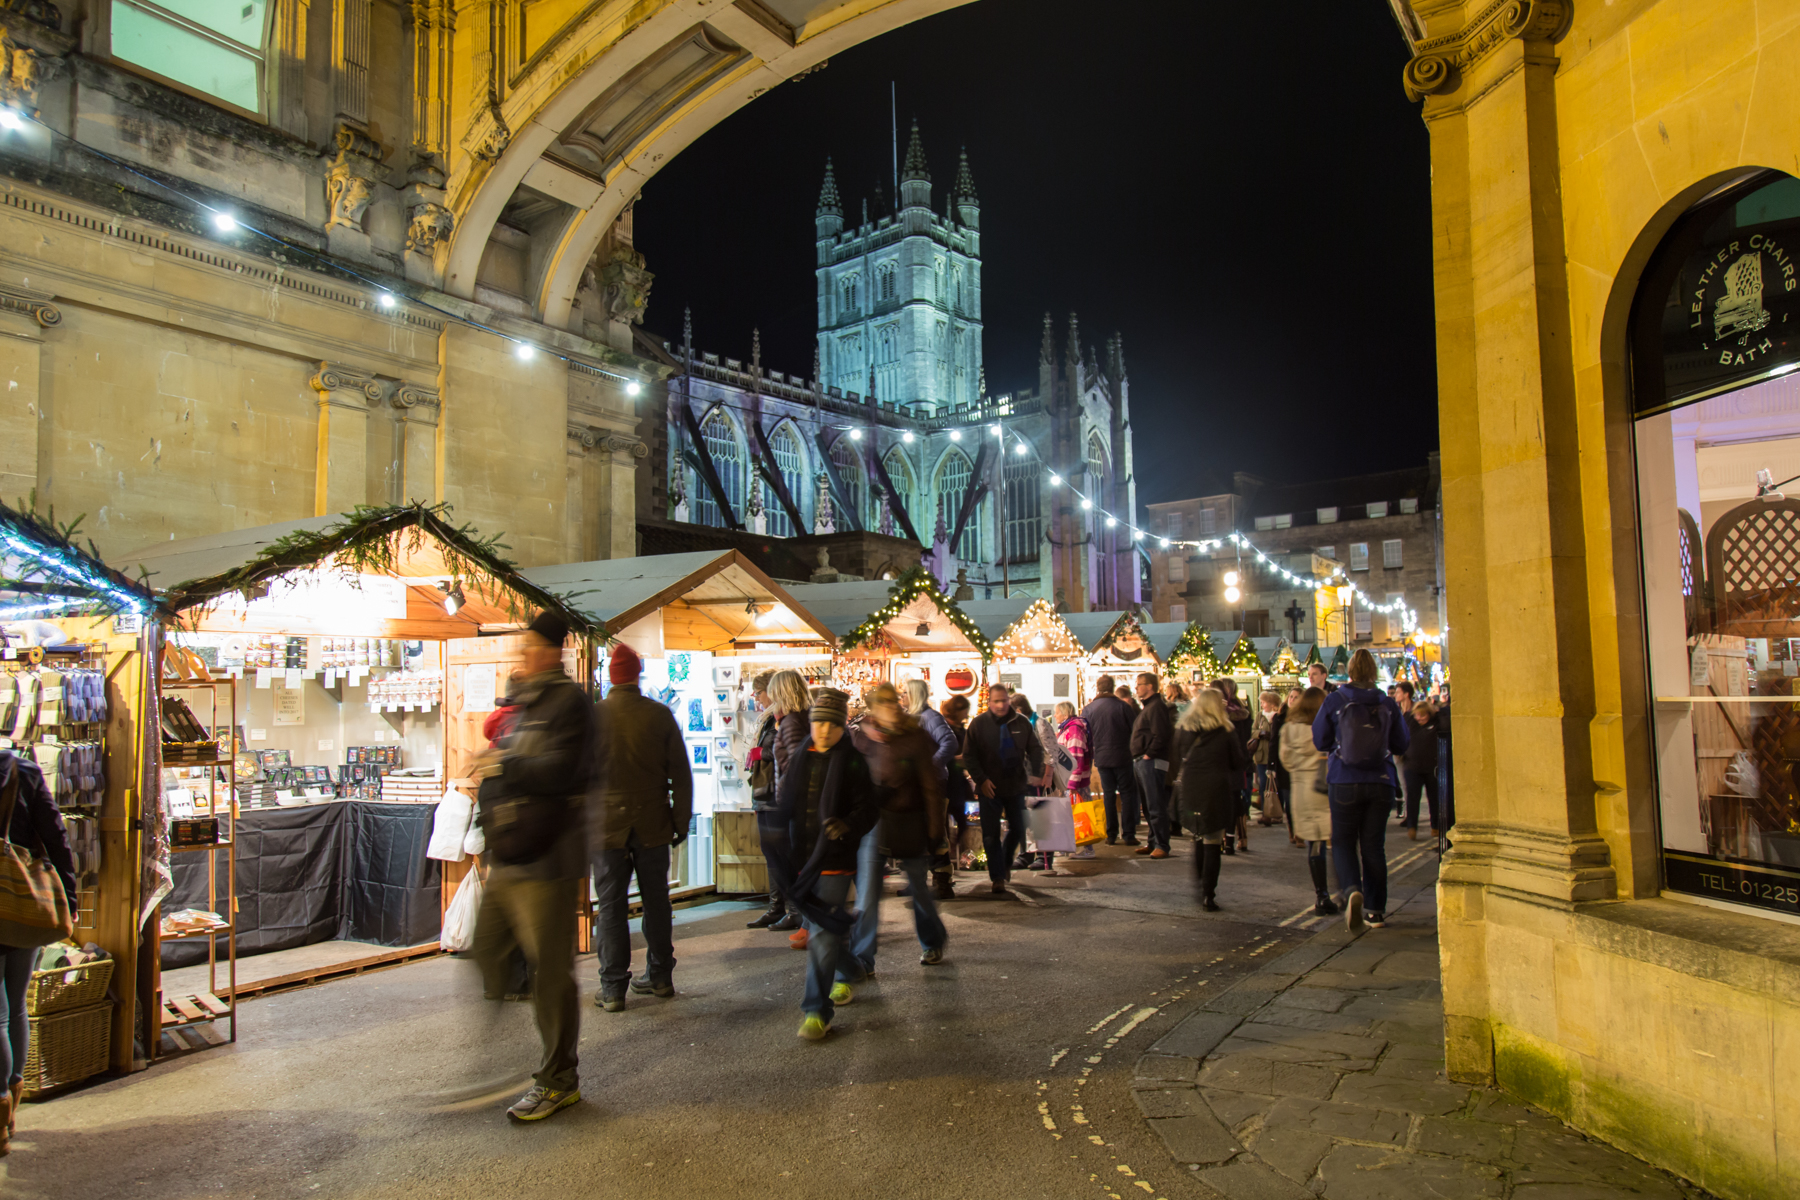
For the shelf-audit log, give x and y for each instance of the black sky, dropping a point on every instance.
(1248, 206)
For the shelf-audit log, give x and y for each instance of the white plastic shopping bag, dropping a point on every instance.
(459, 918)
(1052, 825)
(449, 826)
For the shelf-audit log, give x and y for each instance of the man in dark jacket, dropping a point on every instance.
(1152, 740)
(532, 795)
(830, 801)
(1109, 721)
(642, 811)
(1003, 755)
(902, 759)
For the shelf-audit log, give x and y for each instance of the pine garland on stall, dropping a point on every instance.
(41, 558)
(1195, 649)
(914, 583)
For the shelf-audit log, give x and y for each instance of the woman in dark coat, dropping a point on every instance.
(1210, 763)
(1241, 724)
(34, 822)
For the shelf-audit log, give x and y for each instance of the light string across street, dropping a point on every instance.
(226, 221)
(1409, 617)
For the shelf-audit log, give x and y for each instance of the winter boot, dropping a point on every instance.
(775, 912)
(1209, 876)
(1325, 907)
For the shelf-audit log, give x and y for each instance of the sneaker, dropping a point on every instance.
(1159, 852)
(931, 958)
(841, 994)
(1085, 852)
(1353, 913)
(541, 1102)
(1375, 920)
(797, 939)
(609, 1003)
(643, 985)
(813, 1028)
(787, 924)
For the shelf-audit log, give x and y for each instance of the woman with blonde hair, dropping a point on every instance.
(789, 703)
(1308, 807)
(1209, 763)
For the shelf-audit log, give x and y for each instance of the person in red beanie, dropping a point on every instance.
(645, 804)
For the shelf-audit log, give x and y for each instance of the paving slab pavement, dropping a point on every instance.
(1322, 1075)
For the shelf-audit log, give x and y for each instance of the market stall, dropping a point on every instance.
(1038, 654)
(77, 697)
(1186, 652)
(1276, 660)
(333, 675)
(705, 623)
(892, 632)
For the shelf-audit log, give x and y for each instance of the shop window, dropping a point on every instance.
(1359, 556)
(1364, 624)
(1390, 554)
(212, 46)
(1717, 440)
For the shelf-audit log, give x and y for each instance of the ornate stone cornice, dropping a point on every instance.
(583, 438)
(1439, 63)
(620, 444)
(1550, 868)
(417, 402)
(586, 437)
(335, 382)
(37, 304)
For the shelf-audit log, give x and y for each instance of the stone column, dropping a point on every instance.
(1515, 554)
(340, 482)
(579, 528)
(617, 514)
(417, 408)
(24, 315)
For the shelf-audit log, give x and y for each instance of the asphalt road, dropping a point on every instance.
(1002, 1074)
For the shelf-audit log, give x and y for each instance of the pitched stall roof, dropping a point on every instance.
(995, 617)
(704, 597)
(1164, 636)
(1092, 629)
(1039, 620)
(408, 541)
(845, 607)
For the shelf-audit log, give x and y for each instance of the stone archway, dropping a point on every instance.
(584, 113)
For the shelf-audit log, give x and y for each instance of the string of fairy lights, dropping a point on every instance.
(1020, 447)
(228, 223)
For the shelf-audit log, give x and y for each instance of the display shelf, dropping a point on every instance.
(206, 846)
(198, 933)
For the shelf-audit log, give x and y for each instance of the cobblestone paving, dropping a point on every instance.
(1323, 1075)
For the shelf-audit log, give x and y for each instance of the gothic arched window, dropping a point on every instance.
(847, 458)
(1096, 459)
(790, 457)
(888, 280)
(952, 485)
(720, 433)
(1024, 509)
(847, 293)
(900, 474)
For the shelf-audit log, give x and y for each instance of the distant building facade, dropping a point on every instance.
(894, 432)
(1383, 529)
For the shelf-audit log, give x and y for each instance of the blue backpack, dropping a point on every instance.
(1362, 735)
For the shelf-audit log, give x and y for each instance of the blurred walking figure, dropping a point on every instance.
(1003, 756)
(1361, 728)
(901, 758)
(1152, 741)
(1108, 720)
(1265, 755)
(1073, 758)
(646, 802)
(782, 732)
(1309, 807)
(1419, 769)
(1209, 770)
(533, 796)
(946, 745)
(961, 792)
(1241, 725)
(830, 801)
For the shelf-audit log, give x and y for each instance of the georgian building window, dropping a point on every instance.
(720, 434)
(1359, 556)
(217, 47)
(1390, 553)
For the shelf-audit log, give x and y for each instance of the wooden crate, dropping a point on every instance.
(739, 868)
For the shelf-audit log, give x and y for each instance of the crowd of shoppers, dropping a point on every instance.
(570, 788)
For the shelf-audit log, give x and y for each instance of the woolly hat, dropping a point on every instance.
(624, 666)
(550, 626)
(829, 704)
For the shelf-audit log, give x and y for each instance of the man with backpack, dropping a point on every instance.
(1360, 728)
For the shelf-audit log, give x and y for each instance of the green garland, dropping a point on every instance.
(52, 565)
(916, 582)
(1243, 657)
(1195, 646)
(373, 540)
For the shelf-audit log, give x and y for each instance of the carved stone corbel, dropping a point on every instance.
(351, 178)
(1439, 63)
(428, 221)
(624, 285)
(488, 135)
(618, 443)
(35, 304)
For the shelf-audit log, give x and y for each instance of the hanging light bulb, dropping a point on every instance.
(1231, 595)
(1231, 579)
(1111, 521)
(386, 299)
(856, 435)
(1163, 542)
(956, 435)
(1056, 481)
(1086, 503)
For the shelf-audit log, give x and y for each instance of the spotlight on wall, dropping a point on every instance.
(9, 120)
(524, 350)
(633, 388)
(224, 221)
(386, 299)
(856, 435)
(453, 597)
(956, 435)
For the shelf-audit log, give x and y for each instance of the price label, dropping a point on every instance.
(265, 676)
(295, 677)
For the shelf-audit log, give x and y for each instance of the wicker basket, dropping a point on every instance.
(67, 987)
(67, 1047)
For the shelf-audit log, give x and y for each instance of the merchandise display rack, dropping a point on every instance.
(195, 1014)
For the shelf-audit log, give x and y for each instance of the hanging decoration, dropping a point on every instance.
(1040, 632)
(44, 572)
(1195, 651)
(915, 583)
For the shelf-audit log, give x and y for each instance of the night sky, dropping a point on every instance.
(1249, 206)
